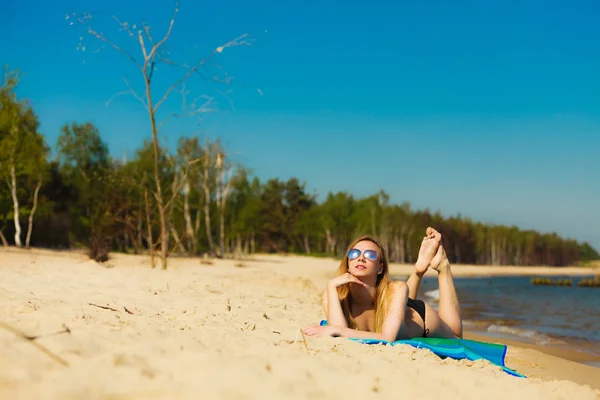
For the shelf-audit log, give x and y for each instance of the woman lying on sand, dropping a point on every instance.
(362, 302)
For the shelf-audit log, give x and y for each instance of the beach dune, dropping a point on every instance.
(231, 329)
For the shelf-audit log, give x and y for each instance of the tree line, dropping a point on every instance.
(209, 204)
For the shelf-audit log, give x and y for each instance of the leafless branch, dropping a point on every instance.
(147, 31)
(131, 91)
(168, 34)
(124, 26)
(101, 37)
(239, 41)
(151, 41)
(228, 100)
(193, 109)
(162, 58)
(183, 93)
(179, 185)
(143, 46)
(176, 190)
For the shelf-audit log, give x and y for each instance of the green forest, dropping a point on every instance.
(196, 200)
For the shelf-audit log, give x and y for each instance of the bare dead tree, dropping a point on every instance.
(190, 234)
(152, 55)
(224, 172)
(13, 194)
(32, 213)
(149, 238)
(206, 184)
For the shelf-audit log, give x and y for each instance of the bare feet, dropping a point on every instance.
(440, 261)
(429, 249)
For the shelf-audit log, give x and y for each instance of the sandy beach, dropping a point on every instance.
(230, 329)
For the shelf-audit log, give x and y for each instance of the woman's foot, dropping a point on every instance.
(428, 251)
(439, 262)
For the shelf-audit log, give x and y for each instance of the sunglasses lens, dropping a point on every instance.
(353, 253)
(371, 255)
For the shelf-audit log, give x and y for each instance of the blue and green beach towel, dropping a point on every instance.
(454, 348)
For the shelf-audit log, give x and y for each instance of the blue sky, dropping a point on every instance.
(487, 108)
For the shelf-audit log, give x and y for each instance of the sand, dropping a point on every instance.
(200, 331)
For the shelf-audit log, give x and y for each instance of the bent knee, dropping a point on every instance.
(436, 325)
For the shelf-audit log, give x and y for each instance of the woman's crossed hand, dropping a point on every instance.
(345, 279)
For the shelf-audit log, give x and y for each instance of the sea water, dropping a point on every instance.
(513, 308)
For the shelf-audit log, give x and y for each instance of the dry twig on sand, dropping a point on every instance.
(104, 307)
(31, 339)
(304, 339)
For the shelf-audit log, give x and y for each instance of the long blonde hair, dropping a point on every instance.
(381, 302)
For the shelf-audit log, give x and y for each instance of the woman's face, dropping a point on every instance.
(364, 259)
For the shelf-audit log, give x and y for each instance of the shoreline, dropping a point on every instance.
(575, 350)
(458, 270)
(575, 354)
(577, 367)
(491, 271)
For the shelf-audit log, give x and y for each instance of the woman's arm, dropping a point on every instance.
(391, 326)
(394, 318)
(331, 300)
(413, 282)
(333, 307)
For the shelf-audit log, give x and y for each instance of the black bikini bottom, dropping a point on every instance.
(419, 307)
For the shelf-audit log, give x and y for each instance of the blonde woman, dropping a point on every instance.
(362, 302)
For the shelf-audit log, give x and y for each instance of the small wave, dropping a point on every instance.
(481, 325)
(534, 336)
(433, 294)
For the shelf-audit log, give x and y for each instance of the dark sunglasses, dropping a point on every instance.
(369, 254)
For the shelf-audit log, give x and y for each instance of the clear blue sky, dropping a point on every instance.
(487, 108)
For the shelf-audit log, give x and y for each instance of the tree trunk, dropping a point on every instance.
(246, 249)
(222, 231)
(177, 240)
(206, 189)
(35, 202)
(189, 229)
(402, 243)
(13, 193)
(211, 244)
(401, 250)
(139, 234)
(409, 252)
(220, 204)
(224, 186)
(394, 255)
(222, 227)
(149, 224)
(238, 246)
(3, 239)
(330, 242)
(171, 209)
(457, 259)
(306, 244)
(158, 194)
